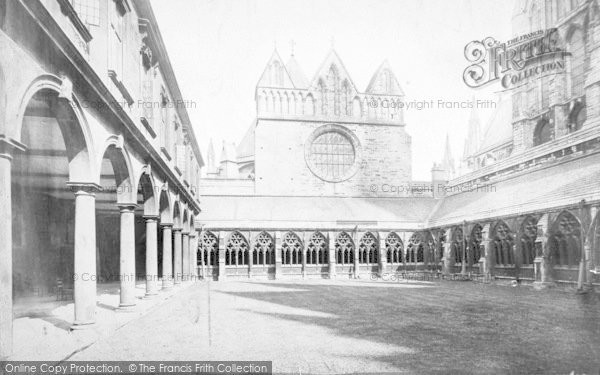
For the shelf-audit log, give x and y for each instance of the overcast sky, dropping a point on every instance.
(219, 49)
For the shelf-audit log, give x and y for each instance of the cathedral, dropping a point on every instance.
(301, 194)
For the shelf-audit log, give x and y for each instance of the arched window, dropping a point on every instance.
(317, 245)
(474, 249)
(414, 250)
(564, 241)
(543, 132)
(529, 230)
(368, 249)
(393, 248)
(264, 250)
(236, 251)
(577, 72)
(344, 248)
(458, 245)
(503, 245)
(323, 97)
(210, 247)
(291, 249)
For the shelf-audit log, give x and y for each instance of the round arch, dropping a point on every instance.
(146, 187)
(120, 162)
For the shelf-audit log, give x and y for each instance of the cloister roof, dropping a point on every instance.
(317, 212)
(552, 186)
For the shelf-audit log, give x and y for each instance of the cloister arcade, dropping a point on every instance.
(83, 210)
(544, 248)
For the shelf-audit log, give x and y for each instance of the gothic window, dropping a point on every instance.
(356, 107)
(543, 132)
(367, 249)
(564, 242)
(474, 249)
(333, 155)
(88, 11)
(291, 249)
(344, 248)
(346, 108)
(210, 247)
(502, 246)
(458, 245)
(577, 71)
(236, 251)
(393, 248)
(333, 84)
(323, 97)
(317, 247)
(414, 250)
(264, 250)
(529, 230)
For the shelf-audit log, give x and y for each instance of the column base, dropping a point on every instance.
(80, 326)
(150, 295)
(126, 308)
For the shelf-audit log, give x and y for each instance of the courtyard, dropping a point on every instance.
(349, 326)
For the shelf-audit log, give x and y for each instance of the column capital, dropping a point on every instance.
(193, 233)
(151, 218)
(170, 225)
(127, 207)
(89, 188)
(177, 229)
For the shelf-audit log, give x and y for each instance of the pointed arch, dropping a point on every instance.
(344, 248)
(368, 249)
(317, 247)
(236, 249)
(564, 240)
(394, 249)
(263, 250)
(291, 249)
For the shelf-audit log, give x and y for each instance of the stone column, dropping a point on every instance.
(194, 255)
(278, 243)
(185, 256)
(382, 254)
(304, 251)
(355, 237)
(151, 255)
(221, 264)
(448, 258)
(84, 272)
(167, 258)
(332, 255)
(127, 256)
(6, 303)
(177, 255)
(485, 259)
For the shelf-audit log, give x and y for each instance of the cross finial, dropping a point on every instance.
(292, 45)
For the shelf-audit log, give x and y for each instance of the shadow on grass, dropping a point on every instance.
(455, 327)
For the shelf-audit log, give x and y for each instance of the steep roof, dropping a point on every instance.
(333, 59)
(378, 84)
(499, 128)
(296, 74)
(246, 147)
(286, 211)
(268, 77)
(523, 193)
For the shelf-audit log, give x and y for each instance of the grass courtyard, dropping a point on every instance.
(363, 326)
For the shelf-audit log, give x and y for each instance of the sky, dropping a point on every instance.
(219, 49)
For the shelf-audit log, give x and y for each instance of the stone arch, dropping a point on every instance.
(165, 207)
(317, 246)
(263, 249)
(120, 162)
(527, 238)
(344, 248)
(414, 249)
(309, 105)
(66, 108)
(291, 249)
(475, 243)
(186, 220)
(147, 193)
(356, 107)
(209, 245)
(564, 240)
(368, 249)
(394, 249)
(177, 212)
(236, 249)
(502, 244)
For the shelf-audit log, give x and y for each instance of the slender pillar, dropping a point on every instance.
(221, 264)
(194, 255)
(304, 253)
(127, 256)
(167, 258)
(332, 255)
(151, 255)
(185, 256)
(382, 254)
(84, 271)
(177, 267)
(278, 261)
(6, 303)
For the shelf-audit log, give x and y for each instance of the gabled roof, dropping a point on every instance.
(265, 78)
(297, 75)
(377, 84)
(246, 147)
(499, 128)
(333, 59)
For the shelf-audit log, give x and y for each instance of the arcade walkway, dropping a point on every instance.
(346, 326)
